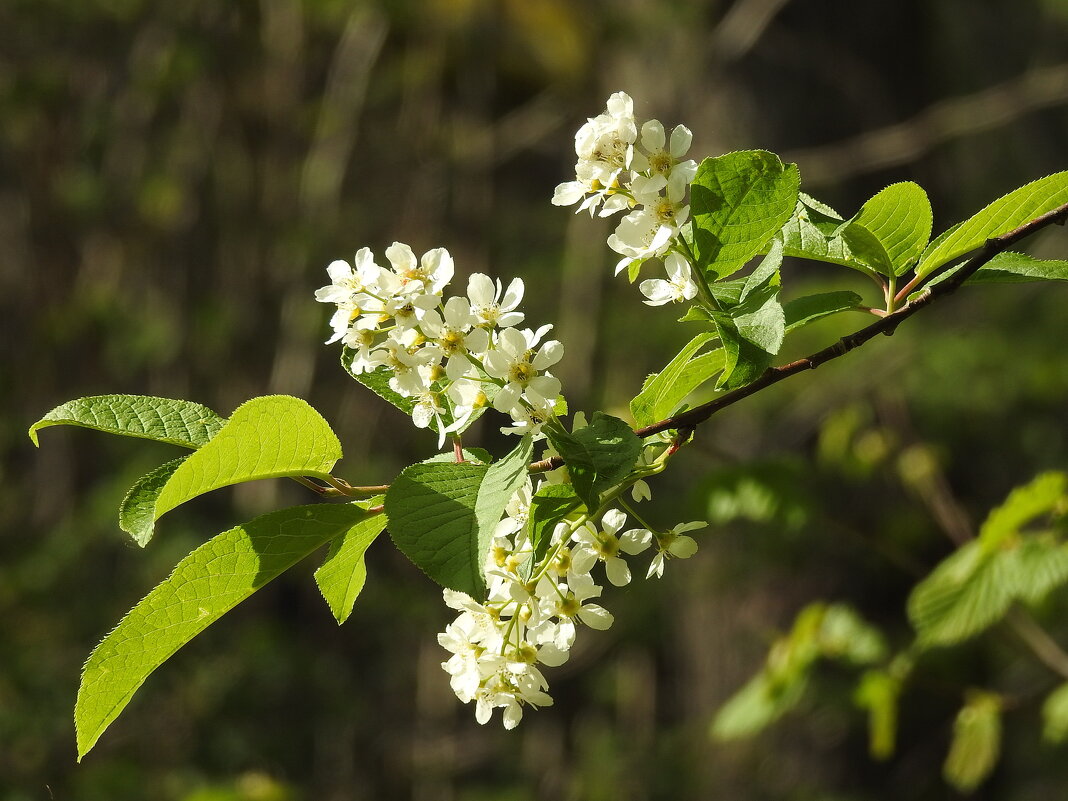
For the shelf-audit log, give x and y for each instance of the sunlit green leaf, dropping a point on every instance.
(966, 593)
(891, 230)
(878, 692)
(442, 515)
(1055, 715)
(662, 392)
(738, 202)
(206, 584)
(342, 574)
(266, 437)
(1041, 496)
(1000, 217)
(177, 422)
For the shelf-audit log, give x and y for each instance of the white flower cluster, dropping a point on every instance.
(448, 356)
(533, 612)
(621, 167)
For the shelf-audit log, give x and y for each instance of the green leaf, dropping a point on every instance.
(137, 514)
(206, 584)
(266, 437)
(878, 692)
(739, 201)
(1055, 715)
(1036, 567)
(813, 232)
(1013, 268)
(968, 591)
(548, 506)
(597, 456)
(663, 392)
(751, 335)
(758, 704)
(342, 574)
(765, 271)
(1005, 268)
(976, 742)
(442, 515)
(431, 510)
(1000, 217)
(1044, 494)
(178, 422)
(799, 312)
(890, 231)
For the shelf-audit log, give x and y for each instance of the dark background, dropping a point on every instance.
(174, 177)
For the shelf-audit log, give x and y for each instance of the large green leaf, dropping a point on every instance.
(970, 590)
(662, 392)
(205, 585)
(342, 574)
(976, 742)
(442, 515)
(267, 437)
(137, 513)
(1000, 217)
(178, 422)
(891, 230)
(799, 312)
(739, 201)
(597, 455)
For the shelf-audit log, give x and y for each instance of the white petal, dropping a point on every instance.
(683, 547)
(597, 617)
(680, 140)
(635, 541)
(513, 295)
(617, 571)
(613, 520)
(480, 289)
(568, 193)
(653, 135)
(548, 355)
(401, 257)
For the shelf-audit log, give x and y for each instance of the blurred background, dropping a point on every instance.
(174, 177)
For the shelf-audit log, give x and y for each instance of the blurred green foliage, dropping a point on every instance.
(173, 179)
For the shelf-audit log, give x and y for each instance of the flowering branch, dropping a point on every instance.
(885, 325)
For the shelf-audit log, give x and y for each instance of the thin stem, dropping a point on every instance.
(458, 449)
(911, 285)
(1044, 647)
